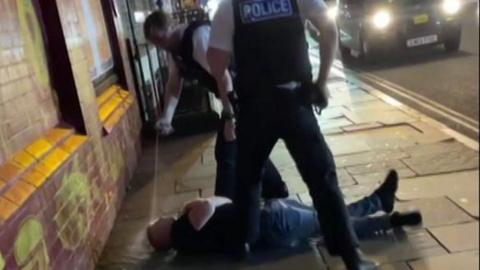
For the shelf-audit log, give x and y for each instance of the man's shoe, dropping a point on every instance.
(412, 218)
(386, 192)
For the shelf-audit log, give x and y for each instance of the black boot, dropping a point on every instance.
(386, 192)
(412, 218)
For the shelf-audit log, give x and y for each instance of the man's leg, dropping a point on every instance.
(225, 155)
(273, 186)
(317, 167)
(287, 223)
(382, 199)
(256, 139)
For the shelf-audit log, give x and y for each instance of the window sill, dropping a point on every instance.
(31, 167)
(112, 106)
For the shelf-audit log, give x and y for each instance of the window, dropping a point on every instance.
(84, 26)
(28, 106)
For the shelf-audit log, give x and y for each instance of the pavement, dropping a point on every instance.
(450, 80)
(369, 133)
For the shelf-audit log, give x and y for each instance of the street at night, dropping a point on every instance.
(444, 86)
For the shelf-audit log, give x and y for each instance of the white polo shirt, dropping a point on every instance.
(223, 25)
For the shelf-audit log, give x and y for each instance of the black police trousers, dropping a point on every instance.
(288, 115)
(273, 185)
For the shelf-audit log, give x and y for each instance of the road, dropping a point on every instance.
(447, 79)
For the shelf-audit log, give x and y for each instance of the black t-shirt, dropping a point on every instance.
(220, 234)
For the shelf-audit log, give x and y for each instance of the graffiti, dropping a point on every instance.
(30, 249)
(33, 41)
(2, 262)
(74, 202)
(116, 160)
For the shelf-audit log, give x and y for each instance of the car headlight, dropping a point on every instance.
(332, 12)
(451, 7)
(381, 19)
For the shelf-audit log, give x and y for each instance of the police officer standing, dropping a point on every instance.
(276, 93)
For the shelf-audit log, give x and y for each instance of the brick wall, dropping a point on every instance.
(59, 198)
(27, 102)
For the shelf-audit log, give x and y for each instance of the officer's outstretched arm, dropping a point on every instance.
(328, 44)
(172, 94)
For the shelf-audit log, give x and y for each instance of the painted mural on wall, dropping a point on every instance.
(2, 262)
(25, 88)
(33, 41)
(30, 248)
(74, 202)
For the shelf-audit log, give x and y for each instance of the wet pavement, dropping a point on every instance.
(369, 133)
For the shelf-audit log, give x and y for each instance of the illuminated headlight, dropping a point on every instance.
(381, 19)
(451, 7)
(332, 13)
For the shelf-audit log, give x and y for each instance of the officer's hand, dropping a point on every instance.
(319, 96)
(164, 127)
(229, 131)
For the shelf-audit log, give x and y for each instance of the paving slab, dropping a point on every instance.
(344, 178)
(281, 158)
(438, 185)
(376, 167)
(435, 163)
(332, 112)
(436, 212)
(379, 177)
(388, 138)
(356, 192)
(207, 192)
(395, 266)
(457, 238)
(362, 127)
(468, 201)
(390, 117)
(395, 248)
(376, 106)
(463, 261)
(436, 148)
(198, 177)
(369, 157)
(334, 123)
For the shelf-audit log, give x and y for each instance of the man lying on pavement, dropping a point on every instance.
(210, 225)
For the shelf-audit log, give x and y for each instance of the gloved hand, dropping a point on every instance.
(319, 96)
(164, 127)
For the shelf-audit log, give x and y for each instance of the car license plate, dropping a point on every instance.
(414, 42)
(420, 19)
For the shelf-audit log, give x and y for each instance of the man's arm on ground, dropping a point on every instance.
(201, 210)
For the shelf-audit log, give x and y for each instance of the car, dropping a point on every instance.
(369, 28)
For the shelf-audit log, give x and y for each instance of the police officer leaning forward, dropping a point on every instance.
(276, 93)
(187, 46)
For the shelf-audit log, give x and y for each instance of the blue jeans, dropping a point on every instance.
(287, 223)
